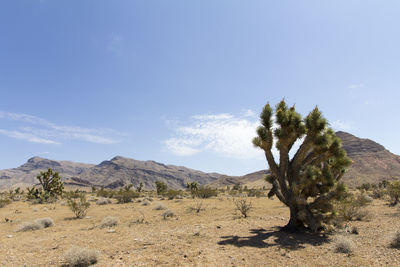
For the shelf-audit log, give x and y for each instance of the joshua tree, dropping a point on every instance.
(193, 187)
(161, 187)
(308, 181)
(140, 187)
(51, 182)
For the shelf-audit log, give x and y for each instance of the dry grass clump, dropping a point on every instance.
(168, 214)
(45, 222)
(35, 225)
(81, 257)
(396, 241)
(160, 207)
(109, 221)
(344, 245)
(103, 201)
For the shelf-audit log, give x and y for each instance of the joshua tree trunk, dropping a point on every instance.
(294, 224)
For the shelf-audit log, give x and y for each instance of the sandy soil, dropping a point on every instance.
(216, 236)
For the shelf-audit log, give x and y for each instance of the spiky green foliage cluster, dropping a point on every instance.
(51, 182)
(309, 181)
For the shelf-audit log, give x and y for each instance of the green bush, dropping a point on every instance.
(351, 208)
(105, 193)
(255, 193)
(79, 206)
(171, 194)
(393, 190)
(206, 192)
(125, 196)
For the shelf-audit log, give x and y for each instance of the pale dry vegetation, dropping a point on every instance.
(167, 234)
(81, 257)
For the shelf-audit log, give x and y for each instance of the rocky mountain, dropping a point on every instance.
(25, 175)
(119, 171)
(112, 173)
(371, 163)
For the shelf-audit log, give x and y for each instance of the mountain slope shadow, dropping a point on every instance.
(261, 238)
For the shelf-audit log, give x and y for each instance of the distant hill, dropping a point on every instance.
(371, 163)
(112, 173)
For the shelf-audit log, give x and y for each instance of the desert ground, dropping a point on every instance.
(216, 236)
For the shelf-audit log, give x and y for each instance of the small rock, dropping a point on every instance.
(9, 236)
(111, 231)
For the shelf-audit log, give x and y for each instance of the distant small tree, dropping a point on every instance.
(237, 187)
(309, 181)
(393, 189)
(192, 187)
(51, 183)
(140, 187)
(161, 187)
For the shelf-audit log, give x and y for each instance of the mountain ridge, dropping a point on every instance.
(372, 163)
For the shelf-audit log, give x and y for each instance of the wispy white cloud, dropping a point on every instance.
(27, 136)
(38, 130)
(355, 86)
(224, 134)
(340, 125)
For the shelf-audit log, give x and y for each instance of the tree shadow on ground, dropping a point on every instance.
(262, 238)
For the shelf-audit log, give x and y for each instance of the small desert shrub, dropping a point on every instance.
(81, 257)
(198, 206)
(366, 187)
(344, 245)
(205, 192)
(378, 193)
(109, 221)
(354, 230)
(45, 222)
(29, 226)
(35, 225)
(140, 220)
(104, 193)
(160, 207)
(396, 241)
(243, 206)
(393, 190)
(171, 194)
(125, 196)
(351, 208)
(103, 201)
(4, 202)
(79, 206)
(255, 193)
(146, 202)
(167, 214)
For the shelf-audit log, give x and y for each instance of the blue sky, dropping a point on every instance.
(182, 82)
